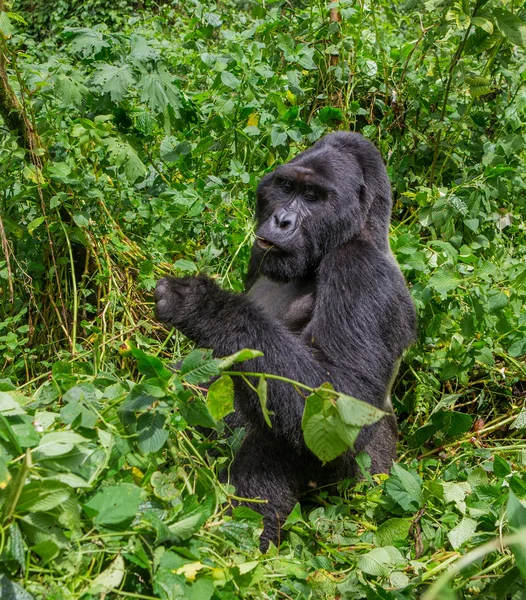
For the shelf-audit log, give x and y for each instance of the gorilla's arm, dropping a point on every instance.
(226, 322)
(363, 319)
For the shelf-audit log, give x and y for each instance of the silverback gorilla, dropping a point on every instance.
(325, 301)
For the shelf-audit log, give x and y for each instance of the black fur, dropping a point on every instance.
(325, 301)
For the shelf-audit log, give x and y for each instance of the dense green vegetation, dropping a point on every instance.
(133, 137)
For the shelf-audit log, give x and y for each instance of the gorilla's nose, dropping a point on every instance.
(285, 220)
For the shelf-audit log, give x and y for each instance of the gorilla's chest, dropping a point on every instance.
(291, 303)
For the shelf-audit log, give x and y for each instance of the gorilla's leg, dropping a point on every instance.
(266, 470)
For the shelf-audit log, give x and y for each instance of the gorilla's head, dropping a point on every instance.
(323, 198)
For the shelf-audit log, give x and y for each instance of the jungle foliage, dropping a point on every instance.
(133, 138)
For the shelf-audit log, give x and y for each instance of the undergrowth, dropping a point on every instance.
(134, 136)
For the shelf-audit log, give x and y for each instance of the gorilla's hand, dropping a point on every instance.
(179, 301)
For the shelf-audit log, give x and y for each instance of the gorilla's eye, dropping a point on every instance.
(287, 186)
(310, 195)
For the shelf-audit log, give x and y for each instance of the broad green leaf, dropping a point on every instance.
(392, 530)
(196, 413)
(42, 496)
(9, 406)
(464, 531)
(34, 224)
(511, 26)
(87, 41)
(5, 475)
(9, 590)
(192, 522)
(151, 432)
(58, 443)
(405, 488)
(356, 412)
(199, 367)
(151, 366)
(443, 281)
(6, 29)
(483, 23)
(478, 86)
(172, 149)
(320, 427)
(230, 80)
(123, 155)
(377, 562)
(113, 80)
(114, 505)
(220, 397)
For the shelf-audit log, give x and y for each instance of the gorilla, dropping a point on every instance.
(325, 301)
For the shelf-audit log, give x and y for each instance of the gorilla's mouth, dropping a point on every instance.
(266, 244)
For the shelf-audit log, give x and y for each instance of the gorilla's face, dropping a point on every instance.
(305, 208)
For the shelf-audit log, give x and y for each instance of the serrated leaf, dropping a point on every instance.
(377, 562)
(478, 86)
(220, 397)
(85, 40)
(151, 432)
(405, 488)
(42, 496)
(196, 413)
(114, 505)
(58, 443)
(9, 406)
(112, 79)
(443, 281)
(392, 530)
(123, 155)
(320, 427)
(6, 29)
(462, 532)
(199, 367)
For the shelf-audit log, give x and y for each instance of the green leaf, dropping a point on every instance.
(320, 426)
(478, 86)
(464, 531)
(151, 432)
(9, 406)
(240, 356)
(172, 149)
(220, 398)
(115, 505)
(9, 590)
(516, 513)
(34, 224)
(405, 488)
(6, 29)
(42, 496)
(196, 413)
(262, 390)
(483, 23)
(85, 40)
(192, 521)
(123, 155)
(511, 26)
(199, 367)
(151, 366)
(230, 80)
(443, 281)
(113, 80)
(58, 443)
(392, 530)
